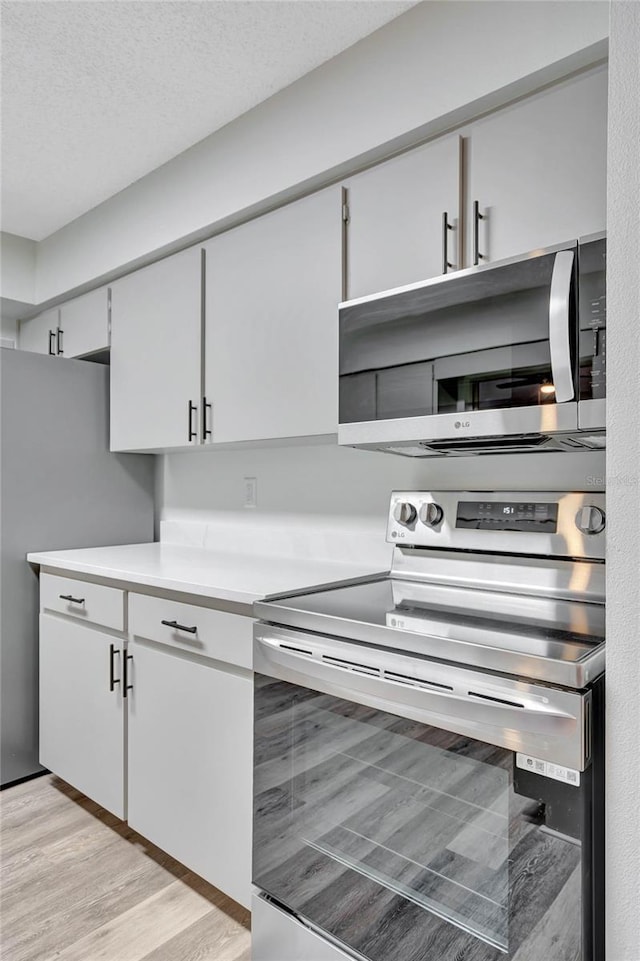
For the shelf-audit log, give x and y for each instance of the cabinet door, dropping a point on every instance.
(190, 763)
(272, 292)
(81, 719)
(538, 169)
(39, 334)
(84, 324)
(156, 324)
(395, 232)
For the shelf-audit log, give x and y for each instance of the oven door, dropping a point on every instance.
(406, 820)
(485, 352)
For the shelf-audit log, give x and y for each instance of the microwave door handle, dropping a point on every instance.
(559, 320)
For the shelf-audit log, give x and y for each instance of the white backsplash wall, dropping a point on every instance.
(327, 501)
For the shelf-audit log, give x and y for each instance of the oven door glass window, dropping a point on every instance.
(480, 342)
(404, 842)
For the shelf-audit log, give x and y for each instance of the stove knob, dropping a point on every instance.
(431, 514)
(590, 519)
(404, 513)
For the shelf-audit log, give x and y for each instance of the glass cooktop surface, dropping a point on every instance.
(538, 626)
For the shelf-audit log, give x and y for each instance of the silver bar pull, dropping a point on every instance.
(477, 217)
(559, 321)
(446, 227)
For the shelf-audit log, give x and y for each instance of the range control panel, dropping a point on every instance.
(563, 524)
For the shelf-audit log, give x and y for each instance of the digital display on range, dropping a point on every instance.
(507, 516)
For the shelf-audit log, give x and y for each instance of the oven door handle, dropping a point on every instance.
(559, 323)
(507, 713)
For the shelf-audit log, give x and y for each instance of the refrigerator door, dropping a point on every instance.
(60, 488)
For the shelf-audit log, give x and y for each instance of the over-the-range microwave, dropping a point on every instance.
(508, 356)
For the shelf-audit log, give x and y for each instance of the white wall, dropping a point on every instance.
(623, 488)
(17, 268)
(322, 489)
(17, 281)
(437, 65)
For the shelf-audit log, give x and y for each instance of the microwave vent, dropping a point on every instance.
(482, 444)
(472, 445)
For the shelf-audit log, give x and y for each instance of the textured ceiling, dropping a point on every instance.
(97, 94)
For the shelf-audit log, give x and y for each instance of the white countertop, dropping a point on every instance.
(241, 578)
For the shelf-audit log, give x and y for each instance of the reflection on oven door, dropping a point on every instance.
(404, 842)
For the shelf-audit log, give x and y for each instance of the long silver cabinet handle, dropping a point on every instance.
(509, 714)
(559, 320)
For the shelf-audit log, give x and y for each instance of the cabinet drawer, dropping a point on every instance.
(217, 634)
(84, 600)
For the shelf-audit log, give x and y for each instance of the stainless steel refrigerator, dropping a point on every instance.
(60, 487)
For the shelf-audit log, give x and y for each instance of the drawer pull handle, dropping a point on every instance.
(73, 600)
(179, 627)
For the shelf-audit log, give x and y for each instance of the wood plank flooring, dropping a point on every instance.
(79, 885)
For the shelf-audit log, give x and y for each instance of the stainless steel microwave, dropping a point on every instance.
(508, 356)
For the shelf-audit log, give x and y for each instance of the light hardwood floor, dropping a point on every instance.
(79, 885)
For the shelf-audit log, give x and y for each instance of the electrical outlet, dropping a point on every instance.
(250, 491)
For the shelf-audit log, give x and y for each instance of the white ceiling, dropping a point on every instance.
(97, 94)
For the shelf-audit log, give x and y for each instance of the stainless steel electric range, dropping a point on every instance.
(428, 778)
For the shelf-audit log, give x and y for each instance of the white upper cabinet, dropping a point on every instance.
(272, 291)
(40, 334)
(84, 324)
(537, 169)
(396, 231)
(156, 324)
(78, 328)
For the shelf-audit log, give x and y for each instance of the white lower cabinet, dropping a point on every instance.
(190, 765)
(175, 756)
(82, 720)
